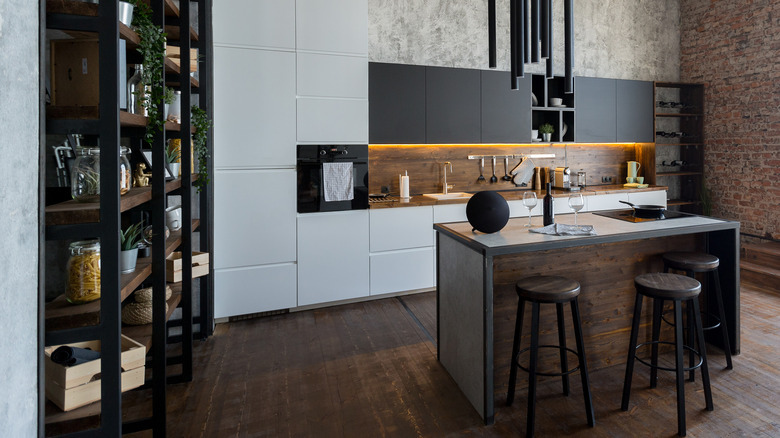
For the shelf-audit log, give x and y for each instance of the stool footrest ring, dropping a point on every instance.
(557, 347)
(709, 316)
(691, 368)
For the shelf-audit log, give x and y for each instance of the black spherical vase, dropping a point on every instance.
(487, 212)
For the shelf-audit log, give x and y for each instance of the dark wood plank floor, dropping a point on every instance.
(370, 370)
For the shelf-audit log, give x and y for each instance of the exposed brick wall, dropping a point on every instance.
(733, 46)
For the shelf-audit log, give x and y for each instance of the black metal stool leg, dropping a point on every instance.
(658, 308)
(705, 373)
(532, 369)
(678, 361)
(510, 396)
(562, 343)
(689, 318)
(631, 351)
(575, 316)
(722, 313)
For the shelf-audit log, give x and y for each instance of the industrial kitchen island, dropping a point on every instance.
(476, 300)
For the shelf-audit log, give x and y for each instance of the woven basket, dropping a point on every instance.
(138, 313)
(145, 295)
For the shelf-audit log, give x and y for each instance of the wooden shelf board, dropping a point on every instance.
(71, 7)
(174, 31)
(88, 417)
(680, 202)
(62, 315)
(679, 144)
(129, 35)
(74, 212)
(681, 173)
(679, 115)
(172, 67)
(126, 119)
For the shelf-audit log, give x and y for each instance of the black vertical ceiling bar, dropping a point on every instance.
(544, 28)
(110, 303)
(535, 30)
(185, 148)
(568, 19)
(159, 332)
(206, 101)
(550, 39)
(492, 33)
(513, 60)
(520, 40)
(526, 32)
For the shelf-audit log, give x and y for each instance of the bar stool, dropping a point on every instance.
(691, 263)
(552, 290)
(677, 288)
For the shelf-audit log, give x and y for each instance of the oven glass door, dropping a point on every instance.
(311, 197)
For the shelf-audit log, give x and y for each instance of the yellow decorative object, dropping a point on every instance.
(140, 177)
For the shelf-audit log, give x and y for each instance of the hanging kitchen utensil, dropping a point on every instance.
(481, 170)
(494, 178)
(647, 211)
(506, 176)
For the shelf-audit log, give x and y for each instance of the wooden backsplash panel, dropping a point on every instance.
(424, 163)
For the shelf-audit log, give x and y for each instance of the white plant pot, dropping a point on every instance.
(127, 260)
(547, 138)
(174, 169)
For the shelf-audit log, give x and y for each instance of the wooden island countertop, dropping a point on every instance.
(476, 301)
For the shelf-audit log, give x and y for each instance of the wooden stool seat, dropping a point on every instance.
(691, 261)
(547, 289)
(667, 286)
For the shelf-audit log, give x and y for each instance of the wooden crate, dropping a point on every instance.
(75, 73)
(73, 387)
(174, 53)
(174, 266)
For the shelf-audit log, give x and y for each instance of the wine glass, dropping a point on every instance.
(576, 203)
(529, 200)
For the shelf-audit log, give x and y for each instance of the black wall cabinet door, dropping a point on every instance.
(396, 110)
(506, 113)
(452, 105)
(595, 118)
(635, 109)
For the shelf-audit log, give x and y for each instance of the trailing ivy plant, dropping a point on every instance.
(202, 124)
(152, 48)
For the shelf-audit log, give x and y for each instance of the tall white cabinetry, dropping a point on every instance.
(285, 72)
(254, 156)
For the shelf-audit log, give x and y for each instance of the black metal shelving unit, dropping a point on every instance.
(69, 221)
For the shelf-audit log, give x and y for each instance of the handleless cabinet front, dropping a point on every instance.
(396, 103)
(595, 116)
(506, 113)
(452, 111)
(332, 256)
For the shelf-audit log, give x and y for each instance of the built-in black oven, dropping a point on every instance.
(318, 173)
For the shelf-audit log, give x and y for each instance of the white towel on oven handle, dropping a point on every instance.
(338, 184)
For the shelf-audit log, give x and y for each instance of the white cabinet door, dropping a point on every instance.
(401, 228)
(254, 217)
(242, 291)
(254, 108)
(443, 214)
(606, 202)
(332, 76)
(256, 23)
(517, 209)
(332, 256)
(397, 271)
(339, 26)
(324, 120)
(648, 198)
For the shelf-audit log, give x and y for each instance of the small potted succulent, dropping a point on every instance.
(172, 159)
(546, 130)
(130, 238)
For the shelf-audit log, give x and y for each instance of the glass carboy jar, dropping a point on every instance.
(85, 175)
(83, 272)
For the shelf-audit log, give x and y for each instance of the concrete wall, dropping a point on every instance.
(732, 47)
(19, 217)
(623, 39)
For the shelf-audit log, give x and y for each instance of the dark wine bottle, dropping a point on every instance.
(547, 204)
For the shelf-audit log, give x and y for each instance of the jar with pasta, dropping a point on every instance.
(83, 272)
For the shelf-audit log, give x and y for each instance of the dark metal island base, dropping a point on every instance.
(476, 301)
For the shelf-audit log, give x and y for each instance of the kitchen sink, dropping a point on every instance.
(445, 196)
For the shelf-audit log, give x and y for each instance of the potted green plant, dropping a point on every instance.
(172, 159)
(546, 130)
(129, 239)
(201, 123)
(152, 48)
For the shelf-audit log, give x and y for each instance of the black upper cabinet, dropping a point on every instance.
(506, 113)
(396, 110)
(595, 118)
(452, 107)
(634, 111)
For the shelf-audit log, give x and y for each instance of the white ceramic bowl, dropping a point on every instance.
(556, 101)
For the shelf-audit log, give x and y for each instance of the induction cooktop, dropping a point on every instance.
(628, 215)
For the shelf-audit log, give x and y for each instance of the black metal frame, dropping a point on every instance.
(107, 127)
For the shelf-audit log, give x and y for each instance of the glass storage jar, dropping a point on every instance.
(83, 272)
(85, 175)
